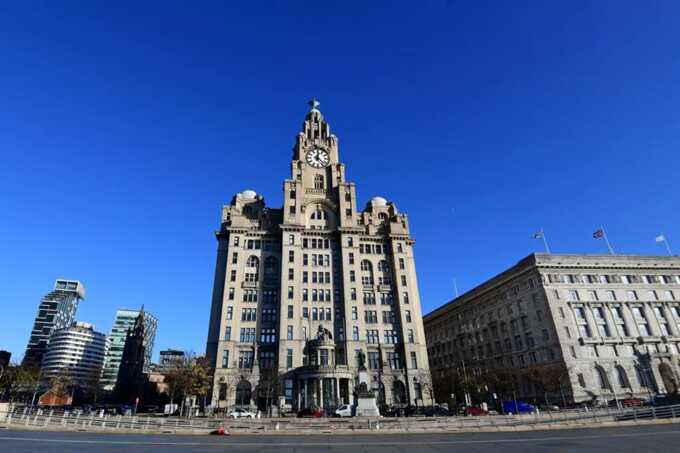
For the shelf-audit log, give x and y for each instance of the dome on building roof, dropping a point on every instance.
(248, 194)
(379, 201)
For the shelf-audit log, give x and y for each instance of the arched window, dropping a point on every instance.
(366, 273)
(602, 377)
(384, 268)
(271, 265)
(318, 182)
(243, 393)
(641, 376)
(382, 217)
(253, 261)
(622, 377)
(398, 393)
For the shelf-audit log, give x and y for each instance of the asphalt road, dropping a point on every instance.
(661, 438)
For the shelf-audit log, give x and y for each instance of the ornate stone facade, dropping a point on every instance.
(301, 290)
(611, 322)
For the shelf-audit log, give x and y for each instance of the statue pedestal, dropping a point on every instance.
(366, 406)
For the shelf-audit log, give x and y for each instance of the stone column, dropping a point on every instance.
(302, 401)
(670, 320)
(321, 393)
(652, 322)
(629, 320)
(337, 390)
(590, 321)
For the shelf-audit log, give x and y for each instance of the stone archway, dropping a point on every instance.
(243, 393)
(667, 378)
(398, 393)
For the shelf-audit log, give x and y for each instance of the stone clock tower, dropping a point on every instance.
(305, 293)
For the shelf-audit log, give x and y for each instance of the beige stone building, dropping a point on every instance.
(610, 322)
(301, 291)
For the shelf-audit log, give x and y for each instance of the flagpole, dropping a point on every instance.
(545, 242)
(606, 239)
(455, 287)
(668, 247)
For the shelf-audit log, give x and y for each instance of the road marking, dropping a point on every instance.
(336, 444)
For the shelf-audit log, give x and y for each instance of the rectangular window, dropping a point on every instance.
(373, 360)
(290, 312)
(245, 359)
(355, 333)
(230, 312)
(394, 360)
(408, 315)
(372, 337)
(370, 317)
(289, 333)
(403, 280)
(390, 337)
(632, 295)
(351, 258)
(233, 276)
(405, 295)
(234, 258)
(290, 292)
(289, 365)
(410, 336)
(227, 333)
(225, 359)
(414, 360)
(232, 293)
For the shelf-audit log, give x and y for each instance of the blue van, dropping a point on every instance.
(520, 408)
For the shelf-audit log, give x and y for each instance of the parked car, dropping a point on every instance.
(344, 411)
(241, 413)
(436, 411)
(474, 411)
(633, 402)
(549, 407)
(309, 412)
(521, 407)
(665, 400)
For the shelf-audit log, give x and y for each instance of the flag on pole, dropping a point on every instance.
(538, 235)
(660, 238)
(598, 234)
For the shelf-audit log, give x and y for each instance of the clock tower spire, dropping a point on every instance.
(317, 175)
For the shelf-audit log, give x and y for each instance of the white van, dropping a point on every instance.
(344, 411)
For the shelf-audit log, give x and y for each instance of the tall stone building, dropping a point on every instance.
(302, 291)
(579, 327)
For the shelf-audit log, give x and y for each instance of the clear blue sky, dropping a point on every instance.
(125, 126)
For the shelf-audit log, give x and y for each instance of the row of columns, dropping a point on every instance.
(630, 321)
(311, 391)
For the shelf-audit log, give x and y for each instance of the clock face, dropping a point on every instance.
(317, 158)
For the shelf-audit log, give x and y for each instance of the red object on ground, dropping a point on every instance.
(220, 432)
